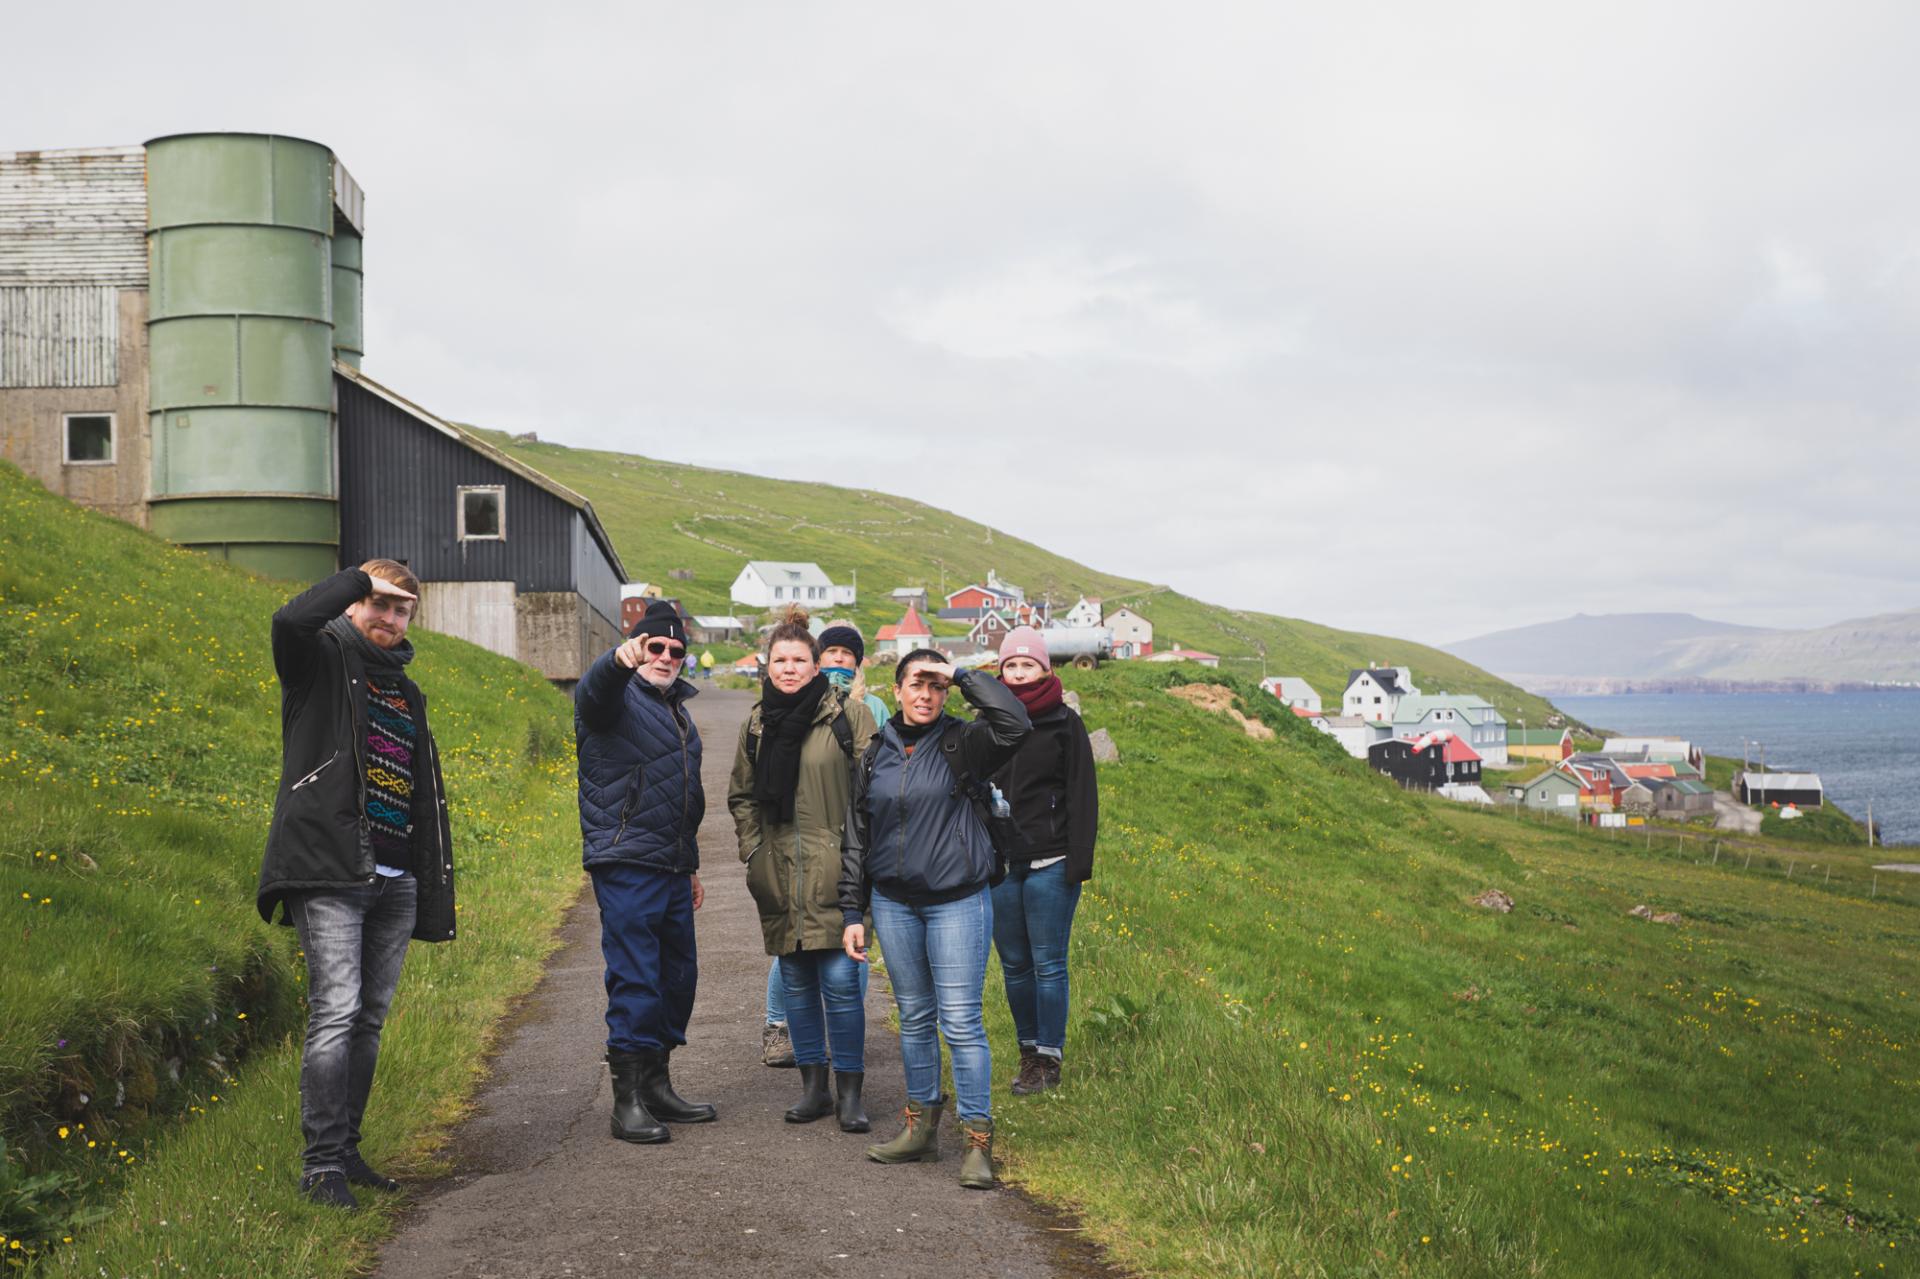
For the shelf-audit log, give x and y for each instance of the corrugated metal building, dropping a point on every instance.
(508, 558)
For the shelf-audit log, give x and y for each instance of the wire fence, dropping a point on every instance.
(1847, 869)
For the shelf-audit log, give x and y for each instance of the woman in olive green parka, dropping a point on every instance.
(789, 794)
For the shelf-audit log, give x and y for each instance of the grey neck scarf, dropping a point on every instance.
(371, 655)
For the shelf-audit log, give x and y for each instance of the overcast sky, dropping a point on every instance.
(1421, 319)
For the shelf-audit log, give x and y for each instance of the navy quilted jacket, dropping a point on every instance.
(640, 796)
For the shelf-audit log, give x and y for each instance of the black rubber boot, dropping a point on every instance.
(818, 1102)
(853, 1113)
(631, 1121)
(656, 1092)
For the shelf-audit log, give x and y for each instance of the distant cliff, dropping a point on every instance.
(1677, 652)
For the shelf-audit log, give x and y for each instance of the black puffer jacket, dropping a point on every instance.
(1049, 783)
(910, 831)
(319, 836)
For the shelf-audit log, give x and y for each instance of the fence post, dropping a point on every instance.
(1790, 866)
(1716, 852)
(1829, 878)
(1875, 891)
(1749, 862)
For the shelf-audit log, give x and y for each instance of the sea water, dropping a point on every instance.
(1862, 744)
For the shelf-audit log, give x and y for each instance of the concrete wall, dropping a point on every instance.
(481, 612)
(560, 633)
(32, 427)
(557, 633)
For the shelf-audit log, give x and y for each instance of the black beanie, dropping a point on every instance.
(844, 637)
(661, 621)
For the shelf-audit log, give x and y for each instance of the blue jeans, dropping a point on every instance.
(355, 939)
(646, 937)
(1032, 918)
(777, 992)
(817, 978)
(937, 961)
(776, 995)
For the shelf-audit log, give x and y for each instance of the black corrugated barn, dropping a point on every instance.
(506, 557)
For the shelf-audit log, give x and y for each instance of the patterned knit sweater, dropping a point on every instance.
(390, 743)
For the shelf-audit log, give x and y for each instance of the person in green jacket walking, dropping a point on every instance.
(789, 794)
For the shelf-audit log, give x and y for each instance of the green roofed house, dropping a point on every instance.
(1552, 791)
(1680, 798)
(1467, 716)
(1550, 744)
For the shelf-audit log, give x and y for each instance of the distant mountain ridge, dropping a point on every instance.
(1679, 646)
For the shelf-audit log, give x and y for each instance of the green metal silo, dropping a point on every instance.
(241, 337)
(349, 343)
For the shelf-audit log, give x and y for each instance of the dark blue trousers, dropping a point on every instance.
(646, 937)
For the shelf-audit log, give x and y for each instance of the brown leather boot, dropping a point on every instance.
(1033, 1075)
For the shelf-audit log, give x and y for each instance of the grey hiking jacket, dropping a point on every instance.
(912, 833)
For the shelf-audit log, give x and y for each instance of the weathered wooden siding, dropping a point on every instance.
(59, 335)
(74, 217)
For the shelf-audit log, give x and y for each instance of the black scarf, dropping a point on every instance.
(785, 719)
(910, 734)
(371, 655)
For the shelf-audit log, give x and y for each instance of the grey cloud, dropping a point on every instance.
(1627, 288)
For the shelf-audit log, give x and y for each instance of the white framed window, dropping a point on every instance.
(483, 512)
(87, 439)
(779, 592)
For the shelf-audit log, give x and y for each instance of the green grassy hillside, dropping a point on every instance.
(147, 1031)
(1299, 1047)
(664, 516)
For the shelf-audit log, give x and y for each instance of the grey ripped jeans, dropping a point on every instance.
(354, 939)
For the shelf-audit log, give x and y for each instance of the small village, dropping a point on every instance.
(1457, 746)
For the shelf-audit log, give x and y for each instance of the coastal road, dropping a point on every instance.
(540, 1189)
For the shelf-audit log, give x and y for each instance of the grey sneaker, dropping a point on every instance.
(776, 1049)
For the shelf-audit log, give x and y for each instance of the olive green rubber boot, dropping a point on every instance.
(919, 1141)
(976, 1166)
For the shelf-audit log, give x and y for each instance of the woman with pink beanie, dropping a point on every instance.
(1049, 783)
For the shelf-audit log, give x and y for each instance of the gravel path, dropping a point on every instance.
(1730, 814)
(540, 1189)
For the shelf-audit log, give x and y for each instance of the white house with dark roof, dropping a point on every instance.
(1469, 717)
(777, 583)
(1375, 692)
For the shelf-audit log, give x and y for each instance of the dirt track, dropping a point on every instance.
(540, 1189)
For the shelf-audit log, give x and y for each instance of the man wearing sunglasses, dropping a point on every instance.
(640, 809)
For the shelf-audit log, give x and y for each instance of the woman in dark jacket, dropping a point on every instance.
(917, 850)
(1049, 784)
(792, 781)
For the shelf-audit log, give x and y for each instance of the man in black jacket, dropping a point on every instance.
(641, 802)
(359, 852)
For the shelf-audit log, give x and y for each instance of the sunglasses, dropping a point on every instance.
(656, 647)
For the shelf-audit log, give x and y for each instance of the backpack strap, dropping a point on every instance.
(842, 733)
(843, 730)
